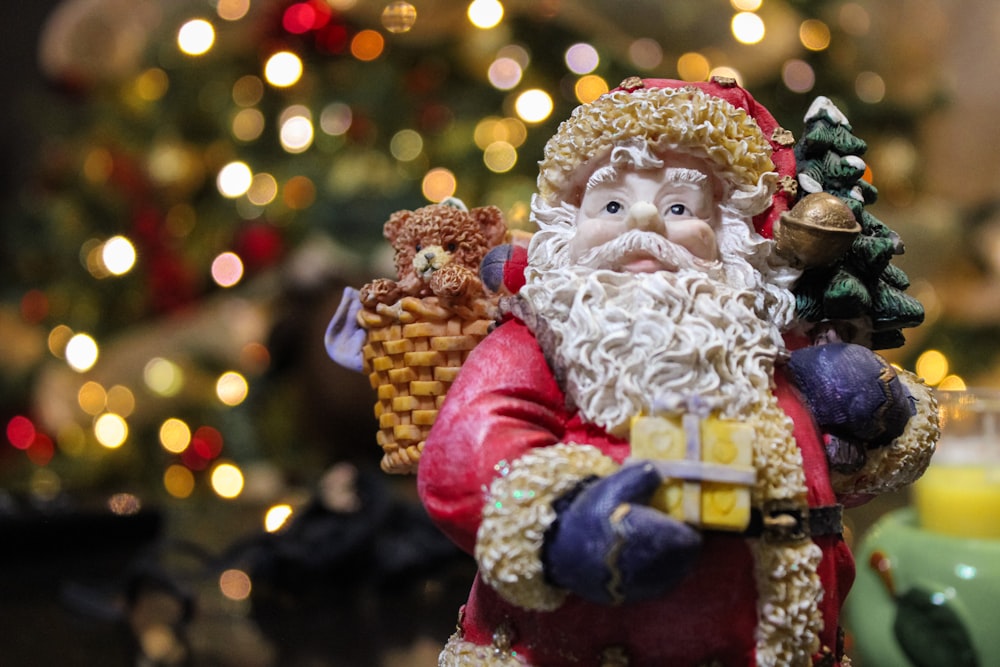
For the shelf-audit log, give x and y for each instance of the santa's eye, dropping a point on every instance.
(612, 207)
(677, 209)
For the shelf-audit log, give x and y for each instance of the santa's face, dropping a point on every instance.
(674, 200)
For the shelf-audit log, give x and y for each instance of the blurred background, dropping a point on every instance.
(185, 477)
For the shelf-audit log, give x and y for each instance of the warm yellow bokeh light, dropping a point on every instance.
(118, 255)
(232, 10)
(248, 124)
(227, 269)
(485, 14)
(92, 398)
(589, 88)
(58, 339)
(277, 517)
(439, 184)
(81, 352)
(163, 377)
(500, 157)
(336, 118)
(952, 383)
(234, 179)
(227, 480)
(196, 37)
(232, 388)
(178, 481)
(283, 69)
(152, 84)
(693, 66)
(869, 87)
(932, 366)
(533, 106)
(748, 28)
(121, 400)
(746, 5)
(110, 430)
(175, 435)
(814, 34)
(299, 193)
(235, 584)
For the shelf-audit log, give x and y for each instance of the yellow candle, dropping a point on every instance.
(960, 499)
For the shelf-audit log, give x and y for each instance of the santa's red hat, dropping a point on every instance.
(716, 119)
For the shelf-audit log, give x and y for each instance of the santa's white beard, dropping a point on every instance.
(623, 344)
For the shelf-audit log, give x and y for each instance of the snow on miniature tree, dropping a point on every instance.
(862, 293)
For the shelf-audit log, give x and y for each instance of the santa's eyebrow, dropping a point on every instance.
(685, 175)
(606, 174)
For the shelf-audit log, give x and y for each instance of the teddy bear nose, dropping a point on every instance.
(428, 255)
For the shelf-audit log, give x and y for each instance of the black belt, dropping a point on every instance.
(787, 522)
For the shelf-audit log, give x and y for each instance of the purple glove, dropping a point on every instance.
(852, 392)
(607, 546)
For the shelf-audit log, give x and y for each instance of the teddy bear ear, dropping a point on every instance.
(490, 220)
(396, 222)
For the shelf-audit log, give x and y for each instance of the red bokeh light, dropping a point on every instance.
(20, 432)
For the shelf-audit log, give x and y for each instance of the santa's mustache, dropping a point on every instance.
(637, 244)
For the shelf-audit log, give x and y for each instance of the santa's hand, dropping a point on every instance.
(345, 339)
(608, 546)
(852, 392)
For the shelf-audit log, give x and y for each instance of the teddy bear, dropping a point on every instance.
(438, 250)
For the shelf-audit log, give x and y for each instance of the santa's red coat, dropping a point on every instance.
(505, 402)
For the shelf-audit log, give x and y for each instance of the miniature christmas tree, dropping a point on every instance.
(862, 291)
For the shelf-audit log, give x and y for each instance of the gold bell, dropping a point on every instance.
(817, 231)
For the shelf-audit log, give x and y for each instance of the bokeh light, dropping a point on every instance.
(232, 388)
(20, 432)
(932, 366)
(124, 504)
(92, 398)
(227, 269)
(748, 28)
(296, 134)
(335, 119)
(235, 584)
(693, 66)
(582, 58)
(111, 430)
(952, 383)
(232, 10)
(227, 480)
(367, 45)
(726, 73)
(533, 106)
(439, 184)
(81, 352)
(248, 124)
(120, 400)
(399, 16)
(178, 481)
(869, 87)
(175, 435)
(589, 88)
(263, 189)
(152, 84)
(505, 73)
(283, 69)
(276, 517)
(746, 5)
(299, 193)
(485, 14)
(118, 255)
(58, 339)
(798, 76)
(234, 179)
(500, 157)
(196, 37)
(248, 90)
(645, 53)
(854, 19)
(163, 377)
(814, 34)
(406, 145)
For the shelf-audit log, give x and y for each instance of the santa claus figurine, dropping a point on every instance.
(637, 457)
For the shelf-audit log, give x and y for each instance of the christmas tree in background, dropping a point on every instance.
(212, 172)
(862, 285)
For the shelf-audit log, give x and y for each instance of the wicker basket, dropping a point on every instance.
(414, 350)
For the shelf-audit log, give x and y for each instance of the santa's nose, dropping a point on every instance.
(644, 216)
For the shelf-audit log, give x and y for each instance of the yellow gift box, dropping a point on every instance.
(707, 466)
